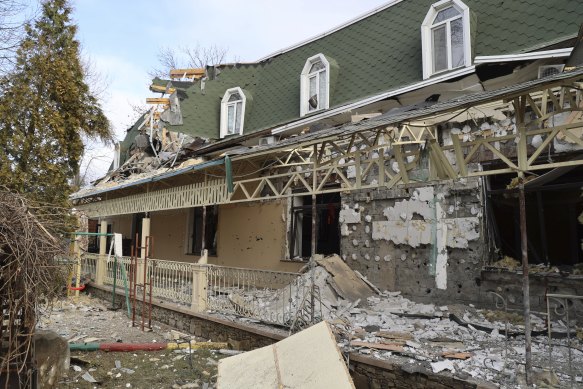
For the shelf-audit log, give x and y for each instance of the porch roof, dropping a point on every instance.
(391, 118)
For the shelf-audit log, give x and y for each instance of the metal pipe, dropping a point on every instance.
(203, 234)
(312, 258)
(525, 284)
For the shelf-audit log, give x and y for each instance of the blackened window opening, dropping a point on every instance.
(327, 226)
(210, 230)
(93, 240)
(554, 211)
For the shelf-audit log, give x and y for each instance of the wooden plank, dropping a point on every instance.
(378, 346)
(394, 335)
(347, 283)
(443, 159)
(158, 100)
(402, 169)
(188, 73)
(162, 89)
(456, 355)
(459, 155)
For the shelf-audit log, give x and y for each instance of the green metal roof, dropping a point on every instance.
(379, 53)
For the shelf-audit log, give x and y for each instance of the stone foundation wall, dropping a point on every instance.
(368, 373)
(204, 326)
(427, 242)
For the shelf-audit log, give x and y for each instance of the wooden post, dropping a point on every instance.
(199, 284)
(203, 232)
(77, 253)
(101, 264)
(145, 233)
(140, 263)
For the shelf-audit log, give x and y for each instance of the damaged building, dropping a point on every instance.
(396, 141)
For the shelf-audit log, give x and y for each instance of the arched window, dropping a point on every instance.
(315, 85)
(232, 112)
(445, 35)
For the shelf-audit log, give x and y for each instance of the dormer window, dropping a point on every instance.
(445, 35)
(232, 112)
(315, 85)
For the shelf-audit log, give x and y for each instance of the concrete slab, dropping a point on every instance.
(308, 360)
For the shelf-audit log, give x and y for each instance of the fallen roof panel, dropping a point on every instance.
(290, 363)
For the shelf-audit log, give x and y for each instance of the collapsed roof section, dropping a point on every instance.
(413, 125)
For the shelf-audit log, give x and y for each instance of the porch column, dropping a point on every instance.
(145, 233)
(199, 284)
(101, 266)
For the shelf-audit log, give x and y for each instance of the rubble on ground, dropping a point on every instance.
(451, 339)
(88, 320)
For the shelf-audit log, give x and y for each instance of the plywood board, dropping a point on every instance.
(344, 280)
(291, 363)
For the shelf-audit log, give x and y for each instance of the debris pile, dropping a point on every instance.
(451, 339)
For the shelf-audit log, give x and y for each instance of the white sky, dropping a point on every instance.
(122, 39)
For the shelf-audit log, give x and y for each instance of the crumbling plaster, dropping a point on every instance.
(425, 241)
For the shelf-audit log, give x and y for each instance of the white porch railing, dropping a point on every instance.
(171, 280)
(269, 296)
(89, 265)
(264, 295)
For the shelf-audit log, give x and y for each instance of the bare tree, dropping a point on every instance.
(188, 57)
(13, 18)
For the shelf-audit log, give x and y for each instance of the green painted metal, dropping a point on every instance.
(90, 233)
(83, 346)
(229, 174)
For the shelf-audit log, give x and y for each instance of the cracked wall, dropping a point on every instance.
(426, 241)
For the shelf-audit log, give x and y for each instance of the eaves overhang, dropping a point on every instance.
(89, 193)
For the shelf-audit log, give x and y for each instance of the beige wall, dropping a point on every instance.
(169, 229)
(249, 235)
(253, 235)
(122, 225)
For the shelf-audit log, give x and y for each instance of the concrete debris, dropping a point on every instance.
(442, 365)
(89, 378)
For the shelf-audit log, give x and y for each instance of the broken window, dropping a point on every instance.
(327, 226)
(314, 84)
(203, 228)
(232, 112)
(445, 37)
(554, 208)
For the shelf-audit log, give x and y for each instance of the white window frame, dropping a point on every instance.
(426, 36)
(225, 104)
(305, 84)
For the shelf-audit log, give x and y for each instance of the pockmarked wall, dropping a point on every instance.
(249, 235)
(426, 242)
(254, 235)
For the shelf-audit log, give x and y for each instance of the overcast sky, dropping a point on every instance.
(122, 38)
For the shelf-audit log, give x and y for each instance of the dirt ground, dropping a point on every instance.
(87, 319)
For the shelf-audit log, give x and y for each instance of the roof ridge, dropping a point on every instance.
(358, 18)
